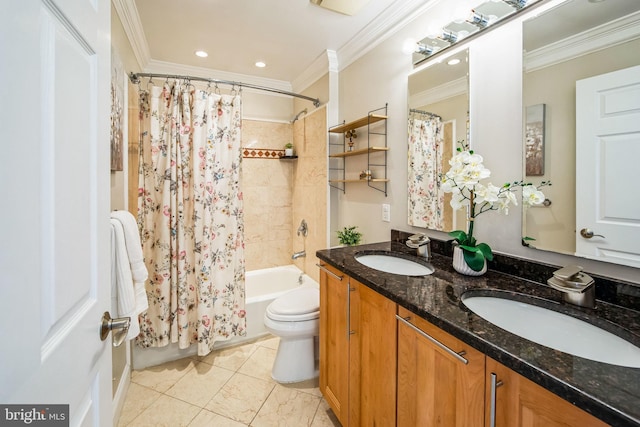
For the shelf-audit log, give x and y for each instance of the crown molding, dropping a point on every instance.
(332, 57)
(440, 93)
(162, 67)
(599, 38)
(396, 16)
(128, 14)
(325, 63)
(318, 68)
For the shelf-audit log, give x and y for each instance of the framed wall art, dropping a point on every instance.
(534, 140)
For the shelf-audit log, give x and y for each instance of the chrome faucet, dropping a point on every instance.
(300, 254)
(577, 288)
(303, 228)
(422, 244)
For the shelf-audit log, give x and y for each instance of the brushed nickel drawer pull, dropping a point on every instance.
(494, 385)
(349, 331)
(321, 267)
(435, 341)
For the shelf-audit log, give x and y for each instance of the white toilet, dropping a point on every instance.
(295, 318)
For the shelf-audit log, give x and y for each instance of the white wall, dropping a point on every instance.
(380, 76)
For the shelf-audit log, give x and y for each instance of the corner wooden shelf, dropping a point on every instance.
(376, 139)
(368, 120)
(359, 180)
(360, 151)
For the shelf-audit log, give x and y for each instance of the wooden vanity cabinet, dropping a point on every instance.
(519, 402)
(435, 385)
(372, 361)
(357, 351)
(334, 341)
(379, 369)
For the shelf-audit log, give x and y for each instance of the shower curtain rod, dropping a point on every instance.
(413, 110)
(135, 78)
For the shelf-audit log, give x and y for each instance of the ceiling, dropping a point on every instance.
(574, 17)
(288, 35)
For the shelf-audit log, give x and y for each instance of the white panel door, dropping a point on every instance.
(54, 174)
(607, 153)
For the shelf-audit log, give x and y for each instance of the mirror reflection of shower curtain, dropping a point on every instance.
(190, 214)
(425, 198)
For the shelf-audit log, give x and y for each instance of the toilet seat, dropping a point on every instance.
(296, 306)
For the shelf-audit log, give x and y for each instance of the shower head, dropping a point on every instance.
(298, 115)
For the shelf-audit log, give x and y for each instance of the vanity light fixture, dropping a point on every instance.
(424, 49)
(481, 18)
(411, 46)
(518, 4)
(201, 53)
(449, 36)
(478, 19)
(260, 64)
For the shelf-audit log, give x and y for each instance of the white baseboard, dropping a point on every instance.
(121, 393)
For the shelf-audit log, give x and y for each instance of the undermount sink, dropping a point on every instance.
(393, 264)
(556, 330)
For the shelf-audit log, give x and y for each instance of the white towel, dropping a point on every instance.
(131, 272)
(133, 245)
(121, 275)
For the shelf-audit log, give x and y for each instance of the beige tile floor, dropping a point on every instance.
(230, 387)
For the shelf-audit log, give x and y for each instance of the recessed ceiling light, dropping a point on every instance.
(201, 53)
(260, 64)
(454, 61)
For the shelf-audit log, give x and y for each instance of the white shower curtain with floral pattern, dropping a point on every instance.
(426, 200)
(190, 213)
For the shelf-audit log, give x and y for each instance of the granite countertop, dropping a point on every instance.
(609, 392)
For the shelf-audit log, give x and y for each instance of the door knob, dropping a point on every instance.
(587, 233)
(119, 326)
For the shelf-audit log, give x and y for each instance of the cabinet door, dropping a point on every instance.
(372, 358)
(519, 402)
(435, 387)
(334, 341)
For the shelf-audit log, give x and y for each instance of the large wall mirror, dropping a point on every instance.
(574, 41)
(438, 120)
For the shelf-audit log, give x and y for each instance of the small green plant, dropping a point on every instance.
(349, 236)
(288, 145)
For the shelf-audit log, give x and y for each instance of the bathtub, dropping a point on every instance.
(261, 288)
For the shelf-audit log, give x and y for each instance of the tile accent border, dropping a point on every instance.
(262, 153)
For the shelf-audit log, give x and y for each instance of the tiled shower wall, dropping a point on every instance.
(267, 185)
(278, 194)
(310, 188)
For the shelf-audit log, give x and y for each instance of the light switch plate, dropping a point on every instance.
(386, 212)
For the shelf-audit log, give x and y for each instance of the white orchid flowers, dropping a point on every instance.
(531, 195)
(463, 182)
